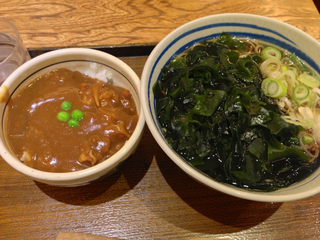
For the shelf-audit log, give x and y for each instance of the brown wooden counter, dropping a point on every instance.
(149, 197)
(65, 23)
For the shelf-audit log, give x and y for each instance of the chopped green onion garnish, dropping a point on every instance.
(271, 52)
(300, 92)
(273, 88)
(264, 85)
(284, 68)
(289, 76)
(307, 139)
(310, 81)
(302, 95)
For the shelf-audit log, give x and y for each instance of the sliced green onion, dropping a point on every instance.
(309, 80)
(307, 102)
(284, 68)
(303, 96)
(307, 139)
(290, 78)
(271, 52)
(297, 61)
(264, 85)
(273, 88)
(300, 92)
(288, 75)
(270, 65)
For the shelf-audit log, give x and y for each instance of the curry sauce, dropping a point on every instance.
(42, 141)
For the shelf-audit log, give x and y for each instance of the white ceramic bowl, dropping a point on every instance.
(240, 25)
(88, 61)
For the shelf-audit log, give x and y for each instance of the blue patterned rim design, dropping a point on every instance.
(290, 47)
(284, 43)
(260, 37)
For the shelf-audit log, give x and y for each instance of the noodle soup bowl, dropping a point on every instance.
(95, 64)
(242, 26)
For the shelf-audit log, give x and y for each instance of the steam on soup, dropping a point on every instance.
(65, 121)
(244, 112)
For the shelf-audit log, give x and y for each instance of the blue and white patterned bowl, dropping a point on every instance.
(239, 25)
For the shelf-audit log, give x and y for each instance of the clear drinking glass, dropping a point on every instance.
(12, 51)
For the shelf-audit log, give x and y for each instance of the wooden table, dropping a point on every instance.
(149, 197)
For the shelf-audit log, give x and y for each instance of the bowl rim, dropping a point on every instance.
(107, 165)
(187, 168)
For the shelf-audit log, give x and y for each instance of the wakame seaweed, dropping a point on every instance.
(213, 113)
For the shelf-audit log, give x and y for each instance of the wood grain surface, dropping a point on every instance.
(64, 23)
(148, 198)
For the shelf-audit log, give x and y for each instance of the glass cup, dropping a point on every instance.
(12, 51)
